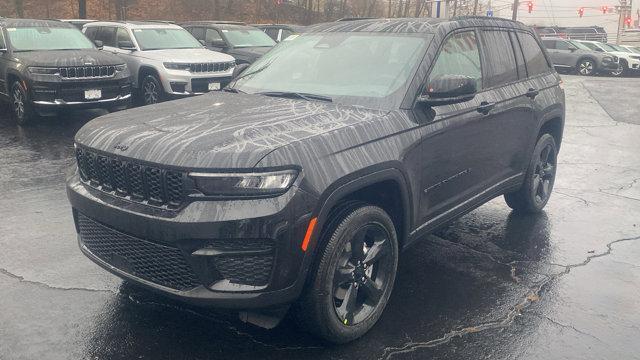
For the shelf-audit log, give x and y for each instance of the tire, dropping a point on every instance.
(348, 290)
(151, 91)
(21, 107)
(586, 67)
(538, 184)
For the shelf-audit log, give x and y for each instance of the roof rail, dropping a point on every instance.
(356, 18)
(476, 17)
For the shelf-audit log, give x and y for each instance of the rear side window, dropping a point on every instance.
(459, 56)
(272, 32)
(533, 55)
(549, 44)
(500, 62)
(197, 32)
(522, 71)
(90, 32)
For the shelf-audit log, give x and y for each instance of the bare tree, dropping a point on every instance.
(19, 7)
(82, 9)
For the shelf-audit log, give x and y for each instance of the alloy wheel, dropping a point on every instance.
(18, 102)
(586, 67)
(150, 93)
(544, 174)
(363, 273)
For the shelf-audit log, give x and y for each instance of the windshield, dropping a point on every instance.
(247, 38)
(580, 45)
(158, 39)
(367, 69)
(620, 48)
(607, 47)
(47, 38)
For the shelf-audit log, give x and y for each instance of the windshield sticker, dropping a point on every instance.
(225, 30)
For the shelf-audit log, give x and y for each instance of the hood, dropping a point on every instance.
(185, 55)
(217, 130)
(252, 53)
(59, 58)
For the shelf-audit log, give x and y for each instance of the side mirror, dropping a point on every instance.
(99, 44)
(126, 45)
(204, 43)
(572, 48)
(599, 50)
(218, 44)
(448, 89)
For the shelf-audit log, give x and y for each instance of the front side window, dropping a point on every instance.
(563, 45)
(107, 34)
(549, 44)
(459, 56)
(211, 36)
(534, 57)
(358, 68)
(500, 62)
(47, 38)
(122, 35)
(159, 39)
(248, 38)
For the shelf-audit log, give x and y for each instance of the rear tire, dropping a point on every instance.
(538, 184)
(21, 107)
(353, 276)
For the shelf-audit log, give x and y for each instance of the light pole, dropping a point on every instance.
(516, 4)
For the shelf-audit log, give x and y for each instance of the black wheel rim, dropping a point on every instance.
(363, 273)
(150, 92)
(586, 67)
(18, 102)
(544, 175)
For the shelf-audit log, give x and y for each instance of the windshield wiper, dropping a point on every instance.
(233, 90)
(253, 72)
(296, 95)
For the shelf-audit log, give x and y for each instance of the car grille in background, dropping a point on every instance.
(131, 180)
(85, 72)
(211, 67)
(160, 264)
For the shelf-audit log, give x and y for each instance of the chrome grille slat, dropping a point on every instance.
(211, 67)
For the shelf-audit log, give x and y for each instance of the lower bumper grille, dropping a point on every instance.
(160, 264)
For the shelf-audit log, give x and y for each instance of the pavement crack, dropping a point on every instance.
(47, 286)
(586, 202)
(570, 327)
(533, 295)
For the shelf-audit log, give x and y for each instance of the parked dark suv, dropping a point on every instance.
(302, 181)
(49, 66)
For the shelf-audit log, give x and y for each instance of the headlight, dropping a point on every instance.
(177, 66)
(244, 184)
(635, 57)
(43, 70)
(607, 58)
(122, 67)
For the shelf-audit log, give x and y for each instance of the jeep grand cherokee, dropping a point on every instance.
(301, 182)
(47, 66)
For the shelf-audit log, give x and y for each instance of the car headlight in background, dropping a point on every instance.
(635, 57)
(607, 58)
(121, 67)
(37, 70)
(244, 184)
(177, 66)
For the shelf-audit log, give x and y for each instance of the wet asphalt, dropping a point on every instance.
(563, 284)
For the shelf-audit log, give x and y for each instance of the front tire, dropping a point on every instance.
(151, 91)
(21, 107)
(352, 280)
(538, 184)
(586, 67)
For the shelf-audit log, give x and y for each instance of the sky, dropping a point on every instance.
(565, 12)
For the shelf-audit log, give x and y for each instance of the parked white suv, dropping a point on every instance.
(629, 61)
(165, 60)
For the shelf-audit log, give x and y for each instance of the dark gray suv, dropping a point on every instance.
(573, 55)
(47, 66)
(298, 185)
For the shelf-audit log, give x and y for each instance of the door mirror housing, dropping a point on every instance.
(448, 89)
(126, 45)
(99, 44)
(572, 48)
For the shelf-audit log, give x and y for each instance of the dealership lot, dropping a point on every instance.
(562, 284)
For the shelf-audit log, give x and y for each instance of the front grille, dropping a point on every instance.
(87, 72)
(211, 67)
(160, 264)
(128, 179)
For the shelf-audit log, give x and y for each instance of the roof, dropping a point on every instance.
(137, 24)
(34, 23)
(412, 25)
(228, 25)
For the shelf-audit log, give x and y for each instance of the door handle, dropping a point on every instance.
(532, 93)
(486, 107)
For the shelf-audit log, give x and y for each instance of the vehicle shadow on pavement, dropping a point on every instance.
(456, 279)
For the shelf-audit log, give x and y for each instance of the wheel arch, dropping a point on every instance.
(146, 70)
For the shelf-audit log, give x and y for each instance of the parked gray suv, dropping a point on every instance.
(165, 60)
(570, 55)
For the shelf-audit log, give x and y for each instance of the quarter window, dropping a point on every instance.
(533, 55)
(122, 35)
(459, 56)
(522, 71)
(500, 61)
(2, 43)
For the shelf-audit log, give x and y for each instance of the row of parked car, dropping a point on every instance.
(592, 57)
(47, 66)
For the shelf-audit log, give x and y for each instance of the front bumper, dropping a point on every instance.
(249, 253)
(186, 83)
(52, 96)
